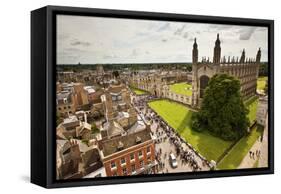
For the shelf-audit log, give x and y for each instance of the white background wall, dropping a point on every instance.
(15, 94)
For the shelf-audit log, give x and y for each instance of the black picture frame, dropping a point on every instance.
(43, 84)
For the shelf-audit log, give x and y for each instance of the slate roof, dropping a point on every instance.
(111, 146)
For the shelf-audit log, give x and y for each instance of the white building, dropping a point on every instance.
(262, 110)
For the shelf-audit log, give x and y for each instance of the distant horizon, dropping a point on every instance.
(134, 63)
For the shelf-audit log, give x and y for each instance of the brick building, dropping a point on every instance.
(130, 154)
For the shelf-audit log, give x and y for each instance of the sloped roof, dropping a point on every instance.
(111, 146)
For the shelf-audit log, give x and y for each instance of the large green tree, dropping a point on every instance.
(223, 112)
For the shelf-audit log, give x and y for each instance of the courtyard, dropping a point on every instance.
(182, 88)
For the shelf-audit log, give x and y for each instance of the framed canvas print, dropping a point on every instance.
(125, 96)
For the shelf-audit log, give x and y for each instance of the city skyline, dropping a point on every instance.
(93, 40)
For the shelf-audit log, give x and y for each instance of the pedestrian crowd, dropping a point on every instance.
(166, 133)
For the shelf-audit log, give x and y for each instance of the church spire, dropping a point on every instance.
(217, 51)
(195, 52)
(242, 59)
(258, 58)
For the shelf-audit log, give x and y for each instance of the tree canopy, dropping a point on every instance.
(223, 112)
(94, 128)
(115, 74)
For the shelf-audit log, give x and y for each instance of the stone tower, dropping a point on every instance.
(194, 74)
(100, 70)
(195, 52)
(217, 51)
(242, 59)
(258, 58)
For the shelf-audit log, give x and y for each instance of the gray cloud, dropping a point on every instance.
(80, 43)
(191, 39)
(63, 37)
(164, 27)
(109, 56)
(220, 27)
(134, 53)
(88, 40)
(72, 49)
(185, 35)
(68, 56)
(142, 34)
(246, 33)
(261, 29)
(180, 30)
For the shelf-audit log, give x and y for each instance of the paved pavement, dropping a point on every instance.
(249, 162)
(168, 147)
(263, 161)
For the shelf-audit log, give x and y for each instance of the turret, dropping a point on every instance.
(242, 59)
(195, 52)
(217, 51)
(224, 59)
(258, 58)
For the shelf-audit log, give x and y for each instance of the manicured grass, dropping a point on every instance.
(252, 105)
(261, 83)
(179, 117)
(233, 159)
(182, 88)
(138, 91)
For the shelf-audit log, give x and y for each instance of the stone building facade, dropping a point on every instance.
(167, 93)
(70, 97)
(244, 69)
(75, 160)
(155, 81)
(262, 110)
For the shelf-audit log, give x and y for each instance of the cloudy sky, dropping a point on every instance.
(92, 40)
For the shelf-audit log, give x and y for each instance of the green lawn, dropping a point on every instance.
(261, 83)
(138, 91)
(252, 105)
(179, 117)
(182, 88)
(233, 159)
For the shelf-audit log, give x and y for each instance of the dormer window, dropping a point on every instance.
(113, 98)
(123, 161)
(120, 145)
(66, 151)
(140, 153)
(138, 140)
